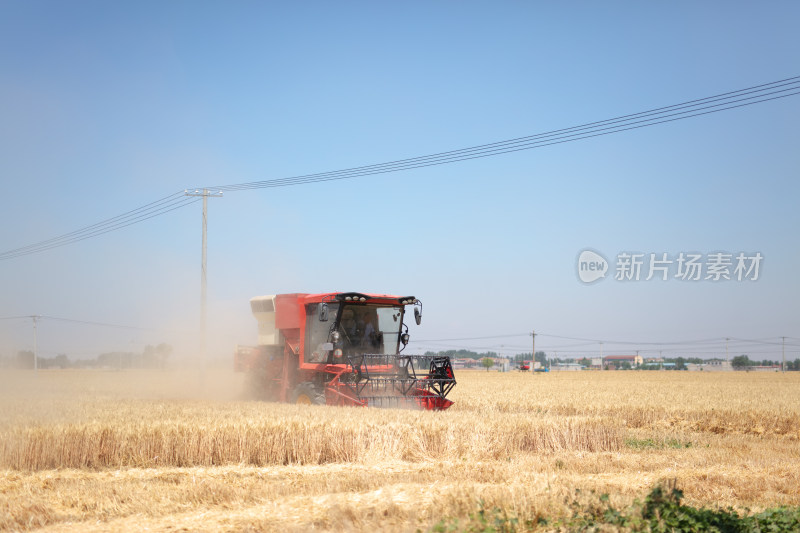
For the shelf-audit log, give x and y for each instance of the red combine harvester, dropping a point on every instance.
(341, 349)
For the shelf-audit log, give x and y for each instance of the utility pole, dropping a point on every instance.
(727, 354)
(783, 351)
(602, 363)
(35, 345)
(533, 350)
(205, 193)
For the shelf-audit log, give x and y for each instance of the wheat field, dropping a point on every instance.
(120, 451)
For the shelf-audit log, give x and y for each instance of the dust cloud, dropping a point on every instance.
(51, 396)
(166, 363)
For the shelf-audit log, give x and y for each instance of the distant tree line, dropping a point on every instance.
(540, 357)
(482, 357)
(463, 354)
(675, 363)
(150, 357)
(742, 362)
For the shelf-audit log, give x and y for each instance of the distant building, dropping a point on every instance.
(718, 365)
(759, 368)
(465, 363)
(561, 367)
(712, 365)
(614, 362)
(595, 363)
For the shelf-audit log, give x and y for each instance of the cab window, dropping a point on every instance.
(317, 333)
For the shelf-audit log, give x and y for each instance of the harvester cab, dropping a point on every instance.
(342, 349)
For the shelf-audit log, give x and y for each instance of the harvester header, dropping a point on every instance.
(341, 348)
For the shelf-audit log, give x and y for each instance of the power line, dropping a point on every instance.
(569, 351)
(594, 129)
(676, 352)
(477, 338)
(90, 228)
(90, 323)
(685, 346)
(607, 341)
(756, 341)
(456, 347)
(692, 108)
(146, 212)
(100, 324)
(568, 346)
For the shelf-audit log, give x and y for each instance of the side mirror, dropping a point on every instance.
(323, 312)
(417, 315)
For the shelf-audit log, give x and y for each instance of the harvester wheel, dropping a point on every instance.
(307, 394)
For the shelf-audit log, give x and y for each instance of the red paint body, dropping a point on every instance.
(344, 376)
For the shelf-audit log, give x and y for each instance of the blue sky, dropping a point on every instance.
(106, 107)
